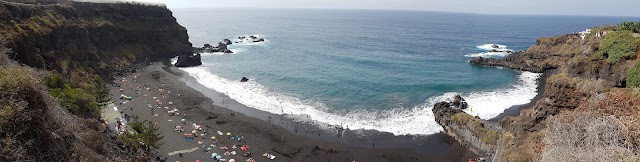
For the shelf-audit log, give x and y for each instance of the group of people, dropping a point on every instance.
(197, 133)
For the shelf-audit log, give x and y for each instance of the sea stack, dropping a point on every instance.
(189, 60)
(244, 79)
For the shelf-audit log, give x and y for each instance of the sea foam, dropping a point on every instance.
(489, 104)
(488, 54)
(487, 47)
(418, 120)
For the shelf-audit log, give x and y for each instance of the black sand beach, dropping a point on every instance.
(275, 136)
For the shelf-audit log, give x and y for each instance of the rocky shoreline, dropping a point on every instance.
(576, 75)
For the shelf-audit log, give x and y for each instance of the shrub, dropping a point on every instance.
(76, 100)
(461, 118)
(631, 26)
(618, 45)
(147, 135)
(633, 76)
(15, 83)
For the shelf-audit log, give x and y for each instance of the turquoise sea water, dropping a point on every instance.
(369, 69)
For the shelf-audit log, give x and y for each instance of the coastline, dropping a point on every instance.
(516, 109)
(349, 144)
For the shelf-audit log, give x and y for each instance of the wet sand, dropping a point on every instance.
(263, 132)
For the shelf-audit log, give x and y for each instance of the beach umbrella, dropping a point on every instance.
(197, 160)
(228, 133)
(243, 148)
(194, 131)
(218, 157)
(214, 155)
(232, 160)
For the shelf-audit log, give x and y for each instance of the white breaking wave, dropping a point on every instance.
(500, 51)
(418, 120)
(490, 104)
(488, 54)
(488, 47)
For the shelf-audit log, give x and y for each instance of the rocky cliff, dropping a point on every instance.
(478, 135)
(52, 79)
(586, 79)
(78, 39)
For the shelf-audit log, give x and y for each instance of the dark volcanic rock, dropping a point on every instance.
(460, 130)
(512, 61)
(259, 40)
(244, 79)
(127, 34)
(495, 46)
(227, 41)
(189, 60)
(459, 102)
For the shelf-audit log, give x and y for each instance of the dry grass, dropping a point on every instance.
(606, 128)
(586, 136)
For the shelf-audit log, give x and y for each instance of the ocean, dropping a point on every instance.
(369, 69)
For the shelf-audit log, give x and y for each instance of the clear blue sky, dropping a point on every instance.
(519, 7)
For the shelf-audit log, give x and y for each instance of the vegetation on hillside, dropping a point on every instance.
(607, 122)
(619, 45)
(633, 76)
(486, 135)
(145, 134)
(629, 25)
(84, 100)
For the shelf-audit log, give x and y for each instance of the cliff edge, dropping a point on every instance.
(53, 77)
(589, 108)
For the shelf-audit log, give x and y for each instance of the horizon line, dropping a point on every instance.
(413, 10)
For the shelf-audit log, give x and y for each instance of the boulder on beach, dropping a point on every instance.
(189, 60)
(244, 79)
(207, 45)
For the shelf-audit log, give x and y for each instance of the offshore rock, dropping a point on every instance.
(189, 60)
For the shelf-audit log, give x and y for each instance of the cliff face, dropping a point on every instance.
(83, 44)
(570, 53)
(583, 80)
(480, 136)
(79, 38)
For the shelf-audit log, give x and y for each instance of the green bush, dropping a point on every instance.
(631, 26)
(77, 101)
(617, 45)
(633, 76)
(146, 135)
